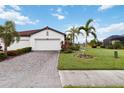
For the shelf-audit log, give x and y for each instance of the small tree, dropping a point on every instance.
(116, 44)
(99, 43)
(93, 43)
(73, 33)
(88, 29)
(8, 34)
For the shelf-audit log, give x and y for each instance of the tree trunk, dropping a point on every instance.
(86, 42)
(85, 46)
(73, 39)
(5, 49)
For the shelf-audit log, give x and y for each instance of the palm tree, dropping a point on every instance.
(88, 30)
(8, 34)
(73, 33)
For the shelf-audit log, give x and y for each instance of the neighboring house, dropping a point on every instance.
(109, 40)
(40, 39)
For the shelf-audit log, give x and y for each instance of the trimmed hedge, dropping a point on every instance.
(15, 53)
(12, 53)
(19, 51)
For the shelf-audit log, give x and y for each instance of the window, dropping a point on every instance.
(47, 33)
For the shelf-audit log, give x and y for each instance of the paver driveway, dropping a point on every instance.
(35, 69)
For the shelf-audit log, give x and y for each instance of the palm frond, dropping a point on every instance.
(81, 28)
(1, 28)
(91, 28)
(94, 35)
(88, 23)
(8, 33)
(76, 36)
(10, 26)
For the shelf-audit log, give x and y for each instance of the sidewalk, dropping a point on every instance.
(92, 77)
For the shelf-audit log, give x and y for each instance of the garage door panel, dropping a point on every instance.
(51, 44)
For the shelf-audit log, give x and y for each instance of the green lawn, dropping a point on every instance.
(103, 60)
(93, 86)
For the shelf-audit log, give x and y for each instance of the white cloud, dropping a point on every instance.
(59, 13)
(2, 8)
(69, 26)
(105, 7)
(16, 7)
(106, 31)
(59, 16)
(102, 31)
(112, 28)
(51, 9)
(59, 10)
(15, 15)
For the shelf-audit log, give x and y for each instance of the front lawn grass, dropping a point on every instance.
(103, 60)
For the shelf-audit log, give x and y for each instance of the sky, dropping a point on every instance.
(108, 19)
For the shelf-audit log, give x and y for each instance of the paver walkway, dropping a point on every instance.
(92, 77)
(32, 70)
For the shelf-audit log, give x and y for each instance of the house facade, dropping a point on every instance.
(40, 39)
(108, 41)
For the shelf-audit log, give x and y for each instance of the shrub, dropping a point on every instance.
(12, 53)
(19, 51)
(28, 49)
(99, 43)
(24, 50)
(68, 51)
(102, 46)
(75, 47)
(109, 46)
(66, 45)
(0, 47)
(94, 46)
(117, 44)
(93, 43)
(2, 56)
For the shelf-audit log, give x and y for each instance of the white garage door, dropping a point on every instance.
(50, 44)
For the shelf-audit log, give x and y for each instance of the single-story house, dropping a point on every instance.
(109, 40)
(40, 39)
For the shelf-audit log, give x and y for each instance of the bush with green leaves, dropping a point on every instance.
(117, 44)
(99, 43)
(12, 53)
(93, 43)
(102, 46)
(75, 47)
(19, 51)
(24, 50)
(110, 46)
(3, 56)
(68, 51)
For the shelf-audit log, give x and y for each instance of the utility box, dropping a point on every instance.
(115, 54)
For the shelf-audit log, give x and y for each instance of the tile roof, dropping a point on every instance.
(31, 32)
(114, 37)
(27, 33)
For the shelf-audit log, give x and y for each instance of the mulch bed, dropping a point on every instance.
(85, 56)
(9, 57)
